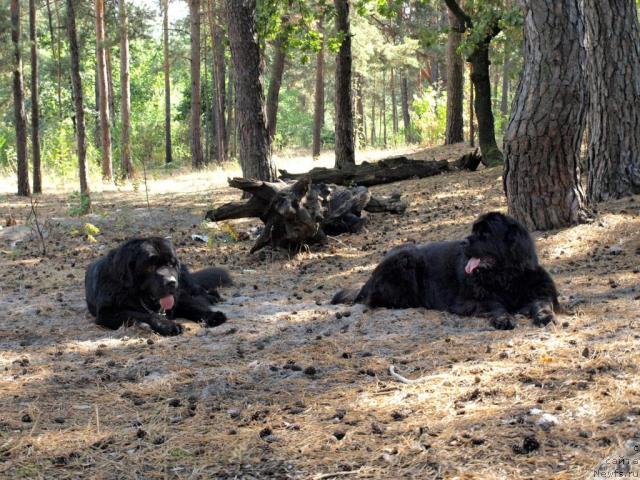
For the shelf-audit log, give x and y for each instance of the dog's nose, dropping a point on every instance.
(171, 282)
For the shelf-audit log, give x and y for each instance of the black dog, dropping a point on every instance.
(142, 279)
(493, 272)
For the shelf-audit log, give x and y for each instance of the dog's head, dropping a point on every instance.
(150, 266)
(499, 242)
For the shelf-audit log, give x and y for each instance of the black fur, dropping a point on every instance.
(127, 284)
(504, 276)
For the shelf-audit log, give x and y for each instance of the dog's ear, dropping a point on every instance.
(521, 247)
(124, 262)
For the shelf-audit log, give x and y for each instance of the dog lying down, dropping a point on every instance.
(142, 281)
(493, 272)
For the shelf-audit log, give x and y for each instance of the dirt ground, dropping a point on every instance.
(292, 387)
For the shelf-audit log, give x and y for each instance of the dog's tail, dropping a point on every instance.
(212, 277)
(346, 295)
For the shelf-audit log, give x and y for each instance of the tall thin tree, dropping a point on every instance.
(103, 93)
(125, 92)
(344, 149)
(613, 120)
(76, 89)
(455, 83)
(255, 151)
(542, 142)
(219, 90)
(275, 79)
(35, 102)
(167, 82)
(318, 99)
(18, 103)
(197, 156)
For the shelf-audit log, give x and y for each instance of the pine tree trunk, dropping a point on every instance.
(394, 105)
(76, 84)
(232, 124)
(197, 156)
(112, 96)
(255, 151)
(504, 102)
(105, 127)
(542, 142)
(35, 106)
(455, 83)
(613, 121)
(275, 82)
(345, 152)
(373, 110)
(384, 107)
(219, 97)
(18, 103)
(318, 103)
(406, 120)
(125, 92)
(361, 136)
(168, 158)
(472, 127)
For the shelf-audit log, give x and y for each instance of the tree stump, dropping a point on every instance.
(303, 213)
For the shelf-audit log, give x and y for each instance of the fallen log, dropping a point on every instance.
(303, 213)
(389, 170)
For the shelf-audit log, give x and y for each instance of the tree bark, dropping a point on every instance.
(613, 119)
(406, 120)
(479, 59)
(125, 92)
(318, 103)
(455, 83)
(103, 93)
(35, 106)
(373, 110)
(504, 102)
(18, 103)
(361, 135)
(472, 127)
(219, 93)
(197, 156)
(112, 96)
(344, 149)
(255, 151)
(383, 112)
(76, 84)
(394, 105)
(275, 81)
(542, 142)
(168, 158)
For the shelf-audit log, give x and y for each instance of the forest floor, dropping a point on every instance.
(292, 387)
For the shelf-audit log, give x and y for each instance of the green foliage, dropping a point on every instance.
(295, 121)
(430, 112)
(79, 204)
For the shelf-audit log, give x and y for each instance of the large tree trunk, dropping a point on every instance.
(197, 156)
(318, 102)
(168, 158)
(345, 152)
(35, 105)
(255, 152)
(613, 121)
(219, 93)
(542, 142)
(103, 93)
(455, 83)
(404, 99)
(275, 80)
(125, 92)
(18, 103)
(76, 84)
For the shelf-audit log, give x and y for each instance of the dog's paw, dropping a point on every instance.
(213, 319)
(503, 321)
(166, 327)
(543, 317)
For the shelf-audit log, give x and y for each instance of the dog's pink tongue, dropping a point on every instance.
(167, 302)
(471, 265)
